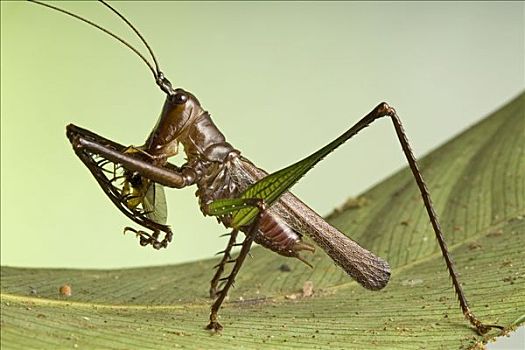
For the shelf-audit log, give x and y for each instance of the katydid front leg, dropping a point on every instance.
(152, 239)
(142, 181)
(83, 140)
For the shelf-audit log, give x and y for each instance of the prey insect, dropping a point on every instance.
(242, 196)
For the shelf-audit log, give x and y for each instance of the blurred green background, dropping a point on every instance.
(280, 79)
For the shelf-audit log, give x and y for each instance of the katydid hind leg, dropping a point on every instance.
(272, 187)
(384, 110)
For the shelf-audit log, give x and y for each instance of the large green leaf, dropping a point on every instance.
(478, 183)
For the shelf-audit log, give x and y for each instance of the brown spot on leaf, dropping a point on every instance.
(65, 290)
(285, 268)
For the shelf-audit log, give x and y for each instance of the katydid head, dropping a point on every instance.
(181, 109)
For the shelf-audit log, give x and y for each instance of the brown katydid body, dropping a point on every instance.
(219, 171)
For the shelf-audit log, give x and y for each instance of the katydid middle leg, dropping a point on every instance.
(214, 324)
(220, 266)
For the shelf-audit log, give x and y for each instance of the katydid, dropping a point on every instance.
(242, 196)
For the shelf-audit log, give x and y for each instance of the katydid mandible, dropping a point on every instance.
(242, 196)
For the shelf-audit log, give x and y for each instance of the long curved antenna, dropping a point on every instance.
(160, 79)
(157, 68)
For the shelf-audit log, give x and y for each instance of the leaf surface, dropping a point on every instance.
(478, 185)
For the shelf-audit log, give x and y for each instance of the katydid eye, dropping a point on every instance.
(180, 98)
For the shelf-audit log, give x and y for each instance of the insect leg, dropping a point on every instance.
(384, 109)
(83, 140)
(96, 152)
(214, 324)
(220, 266)
(153, 238)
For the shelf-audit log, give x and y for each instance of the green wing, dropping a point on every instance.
(271, 187)
(154, 204)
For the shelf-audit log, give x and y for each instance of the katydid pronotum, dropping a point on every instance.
(242, 197)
